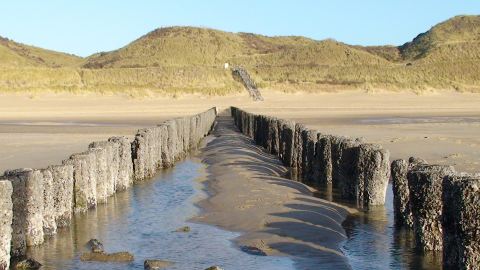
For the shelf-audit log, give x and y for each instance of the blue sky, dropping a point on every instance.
(88, 26)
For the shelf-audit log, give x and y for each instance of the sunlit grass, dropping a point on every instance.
(179, 60)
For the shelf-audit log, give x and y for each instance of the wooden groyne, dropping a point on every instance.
(359, 170)
(35, 203)
(441, 206)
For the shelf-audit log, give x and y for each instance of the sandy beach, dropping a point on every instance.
(440, 127)
(250, 192)
(42, 130)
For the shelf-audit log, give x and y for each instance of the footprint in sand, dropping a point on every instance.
(394, 140)
(453, 156)
(255, 200)
(245, 206)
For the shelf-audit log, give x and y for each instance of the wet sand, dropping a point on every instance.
(37, 131)
(442, 128)
(251, 194)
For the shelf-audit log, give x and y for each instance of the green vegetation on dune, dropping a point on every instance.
(13, 54)
(458, 30)
(189, 59)
(391, 53)
(176, 46)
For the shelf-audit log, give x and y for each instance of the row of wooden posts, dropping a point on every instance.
(441, 206)
(35, 203)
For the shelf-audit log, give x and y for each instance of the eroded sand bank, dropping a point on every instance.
(252, 195)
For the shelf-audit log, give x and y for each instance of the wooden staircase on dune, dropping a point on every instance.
(241, 74)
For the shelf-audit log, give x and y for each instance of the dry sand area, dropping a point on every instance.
(443, 128)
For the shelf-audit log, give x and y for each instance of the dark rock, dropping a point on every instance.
(156, 264)
(95, 246)
(107, 257)
(253, 251)
(183, 229)
(214, 268)
(27, 264)
(417, 161)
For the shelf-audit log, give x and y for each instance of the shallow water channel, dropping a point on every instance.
(374, 242)
(143, 220)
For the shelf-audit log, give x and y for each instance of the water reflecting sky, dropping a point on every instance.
(142, 220)
(374, 242)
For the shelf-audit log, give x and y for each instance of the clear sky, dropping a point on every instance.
(84, 27)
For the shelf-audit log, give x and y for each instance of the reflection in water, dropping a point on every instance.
(142, 220)
(375, 243)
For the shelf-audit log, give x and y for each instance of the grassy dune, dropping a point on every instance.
(16, 55)
(186, 59)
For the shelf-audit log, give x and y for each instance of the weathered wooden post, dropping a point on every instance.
(425, 183)
(323, 161)
(85, 180)
(461, 222)
(372, 173)
(6, 217)
(27, 198)
(63, 193)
